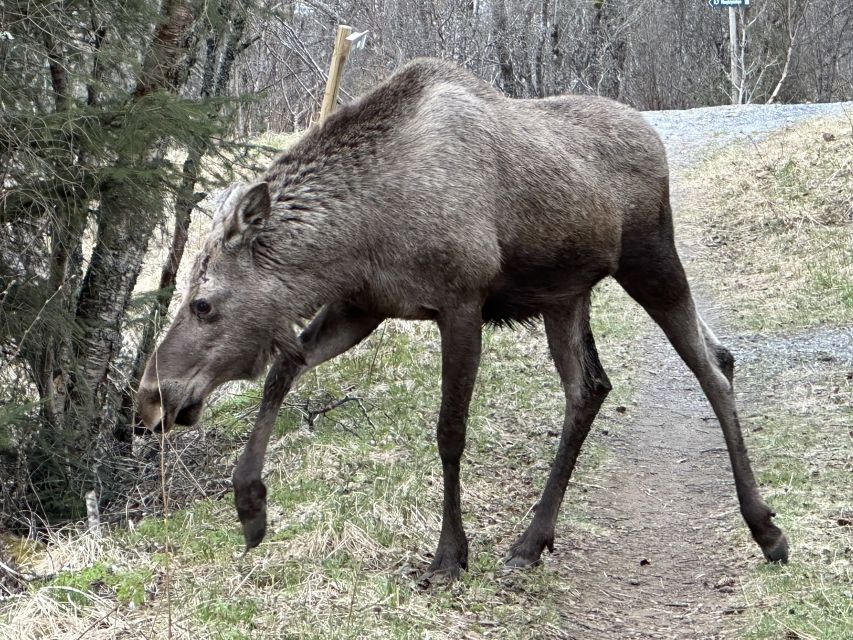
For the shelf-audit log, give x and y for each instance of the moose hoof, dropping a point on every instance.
(527, 550)
(251, 502)
(777, 551)
(254, 530)
(448, 563)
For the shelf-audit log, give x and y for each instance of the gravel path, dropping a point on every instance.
(689, 135)
(659, 560)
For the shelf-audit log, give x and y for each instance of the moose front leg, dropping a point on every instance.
(337, 328)
(460, 357)
(250, 494)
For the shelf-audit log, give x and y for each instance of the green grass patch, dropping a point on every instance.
(75, 587)
(195, 534)
(231, 617)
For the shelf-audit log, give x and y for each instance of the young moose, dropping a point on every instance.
(434, 197)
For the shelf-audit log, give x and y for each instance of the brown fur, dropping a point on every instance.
(434, 197)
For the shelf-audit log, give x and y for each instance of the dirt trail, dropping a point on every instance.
(661, 566)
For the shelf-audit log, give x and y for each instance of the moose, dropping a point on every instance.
(434, 197)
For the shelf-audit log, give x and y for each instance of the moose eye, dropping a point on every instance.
(200, 307)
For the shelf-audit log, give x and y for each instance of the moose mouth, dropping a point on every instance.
(189, 413)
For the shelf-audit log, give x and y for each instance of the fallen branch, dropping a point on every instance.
(24, 577)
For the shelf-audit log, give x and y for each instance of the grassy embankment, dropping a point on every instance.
(355, 503)
(777, 224)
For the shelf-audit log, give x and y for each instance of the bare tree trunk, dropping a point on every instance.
(793, 30)
(121, 244)
(539, 60)
(733, 56)
(528, 82)
(127, 216)
(595, 65)
(619, 52)
(508, 81)
(558, 73)
(164, 62)
(66, 230)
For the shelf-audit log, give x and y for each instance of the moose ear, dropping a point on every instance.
(249, 214)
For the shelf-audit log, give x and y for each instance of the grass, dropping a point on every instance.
(355, 504)
(777, 217)
(128, 586)
(804, 448)
(776, 222)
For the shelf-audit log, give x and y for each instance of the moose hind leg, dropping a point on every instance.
(665, 295)
(585, 385)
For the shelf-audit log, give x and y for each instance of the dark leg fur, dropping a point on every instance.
(586, 386)
(656, 280)
(726, 362)
(250, 494)
(337, 328)
(460, 357)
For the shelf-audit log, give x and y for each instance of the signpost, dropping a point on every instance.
(732, 6)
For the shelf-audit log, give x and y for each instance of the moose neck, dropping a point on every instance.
(311, 241)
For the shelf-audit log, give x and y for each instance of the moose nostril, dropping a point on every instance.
(149, 407)
(151, 415)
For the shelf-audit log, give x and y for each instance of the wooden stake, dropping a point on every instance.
(333, 84)
(93, 514)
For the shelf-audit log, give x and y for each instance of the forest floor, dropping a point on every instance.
(650, 541)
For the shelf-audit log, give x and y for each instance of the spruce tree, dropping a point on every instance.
(95, 101)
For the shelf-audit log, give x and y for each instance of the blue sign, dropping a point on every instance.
(728, 3)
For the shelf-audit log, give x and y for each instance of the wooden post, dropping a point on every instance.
(339, 57)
